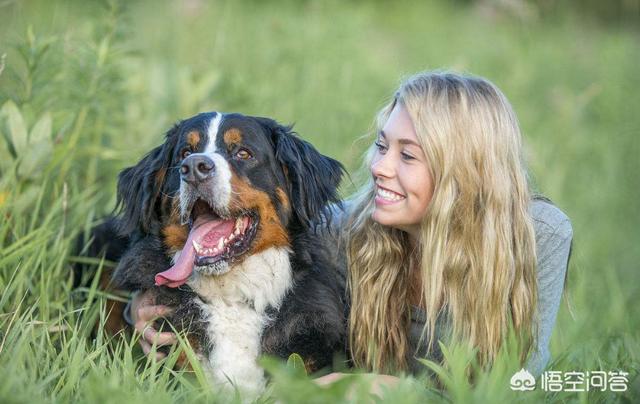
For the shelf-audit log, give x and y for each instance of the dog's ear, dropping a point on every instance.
(139, 188)
(313, 178)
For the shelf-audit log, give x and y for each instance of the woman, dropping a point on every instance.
(445, 241)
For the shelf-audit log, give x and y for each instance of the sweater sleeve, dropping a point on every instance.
(553, 245)
(332, 230)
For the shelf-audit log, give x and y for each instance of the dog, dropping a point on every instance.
(230, 203)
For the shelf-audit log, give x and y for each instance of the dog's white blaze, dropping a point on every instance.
(212, 133)
(235, 305)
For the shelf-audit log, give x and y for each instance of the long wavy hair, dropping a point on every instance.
(475, 257)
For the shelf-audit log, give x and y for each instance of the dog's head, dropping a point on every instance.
(223, 187)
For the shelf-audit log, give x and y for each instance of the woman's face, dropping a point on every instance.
(404, 186)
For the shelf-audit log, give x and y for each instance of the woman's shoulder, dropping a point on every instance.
(549, 219)
(554, 233)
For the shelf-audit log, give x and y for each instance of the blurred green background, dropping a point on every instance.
(88, 87)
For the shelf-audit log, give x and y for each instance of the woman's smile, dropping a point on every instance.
(387, 197)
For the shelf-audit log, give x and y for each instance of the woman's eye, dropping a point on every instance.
(243, 154)
(381, 148)
(185, 153)
(406, 156)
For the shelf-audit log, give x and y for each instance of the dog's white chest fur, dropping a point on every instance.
(235, 305)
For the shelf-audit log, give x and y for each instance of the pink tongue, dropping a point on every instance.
(205, 232)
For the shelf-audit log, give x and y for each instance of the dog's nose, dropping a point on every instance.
(196, 168)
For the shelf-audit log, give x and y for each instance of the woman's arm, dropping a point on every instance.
(554, 236)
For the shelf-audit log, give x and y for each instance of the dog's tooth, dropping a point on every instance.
(214, 251)
(235, 233)
(220, 243)
(197, 246)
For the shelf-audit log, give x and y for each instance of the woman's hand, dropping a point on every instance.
(144, 312)
(377, 381)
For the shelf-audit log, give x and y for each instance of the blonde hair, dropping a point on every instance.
(476, 249)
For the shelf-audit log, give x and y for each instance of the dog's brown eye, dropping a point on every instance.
(243, 154)
(185, 153)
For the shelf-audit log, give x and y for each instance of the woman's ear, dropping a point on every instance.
(312, 178)
(139, 188)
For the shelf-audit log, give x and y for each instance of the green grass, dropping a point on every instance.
(87, 88)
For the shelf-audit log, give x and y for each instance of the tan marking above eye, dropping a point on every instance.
(193, 138)
(232, 136)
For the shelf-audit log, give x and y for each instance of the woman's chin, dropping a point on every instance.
(386, 218)
(395, 220)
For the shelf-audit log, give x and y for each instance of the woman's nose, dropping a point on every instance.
(382, 166)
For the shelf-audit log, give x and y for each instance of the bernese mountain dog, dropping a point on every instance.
(221, 224)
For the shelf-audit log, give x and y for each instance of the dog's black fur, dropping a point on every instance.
(312, 319)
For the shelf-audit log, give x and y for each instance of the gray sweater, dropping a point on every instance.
(553, 243)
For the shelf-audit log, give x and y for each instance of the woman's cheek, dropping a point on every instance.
(420, 192)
